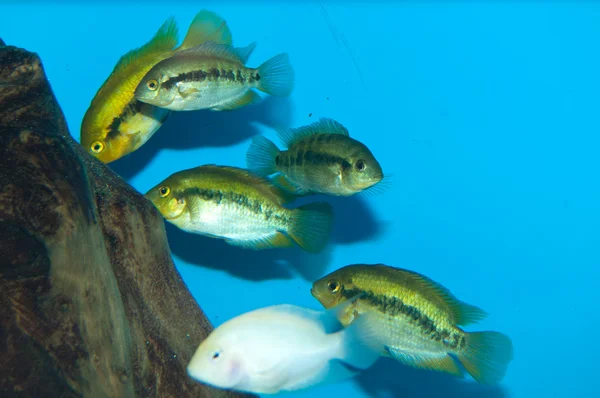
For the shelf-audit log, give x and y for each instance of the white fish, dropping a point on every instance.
(283, 348)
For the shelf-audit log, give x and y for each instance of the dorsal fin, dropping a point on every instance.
(461, 313)
(165, 39)
(256, 180)
(206, 26)
(236, 54)
(323, 126)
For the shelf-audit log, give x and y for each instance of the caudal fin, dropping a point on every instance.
(276, 76)
(311, 226)
(261, 155)
(486, 356)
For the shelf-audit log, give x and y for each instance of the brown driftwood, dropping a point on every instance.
(90, 301)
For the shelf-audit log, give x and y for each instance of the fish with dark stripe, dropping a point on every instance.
(116, 123)
(214, 76)
(243, 209)
(416, 320)
(320, 158)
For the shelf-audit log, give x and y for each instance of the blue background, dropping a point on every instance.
(486, 115)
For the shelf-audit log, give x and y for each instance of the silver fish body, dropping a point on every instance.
(213, 76)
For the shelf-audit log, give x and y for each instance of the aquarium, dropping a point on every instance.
(482, 117)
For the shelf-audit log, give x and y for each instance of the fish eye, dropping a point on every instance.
(164, 191)
(361, 165)
(152, 84)
(333, 286)
(216, 355)
(97, 147)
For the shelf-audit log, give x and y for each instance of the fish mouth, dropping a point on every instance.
(368, 184)
(150, 98)
(139, 94)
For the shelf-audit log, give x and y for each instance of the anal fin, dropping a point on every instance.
(290, 190)
(442, 363)
(251, 97)
(279, 240)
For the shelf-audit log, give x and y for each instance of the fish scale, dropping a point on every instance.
(241, 215)
(424, 324)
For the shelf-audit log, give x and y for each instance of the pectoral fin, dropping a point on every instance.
(186, 92)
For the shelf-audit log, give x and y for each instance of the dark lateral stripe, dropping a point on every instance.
(213, 74)
(130, 110)
(220, 197)
(393, 306)
(325, 158)
(311, 158)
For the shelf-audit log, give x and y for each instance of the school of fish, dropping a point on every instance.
(369, 310)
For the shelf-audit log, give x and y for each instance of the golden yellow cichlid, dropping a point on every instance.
(245, 210)
(417, 320)
(320, 158)
(214, 76)
(117, 124)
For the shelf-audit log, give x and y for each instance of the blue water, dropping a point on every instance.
(486, 116)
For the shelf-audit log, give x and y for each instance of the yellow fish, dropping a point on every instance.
(416, 320)
(117, 124)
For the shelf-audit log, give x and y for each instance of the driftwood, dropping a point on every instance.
(90, 301)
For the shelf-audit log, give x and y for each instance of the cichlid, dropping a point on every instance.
(282, 348)
(418, 320)
(245, 210)
(214, 76)
(320, 158)
(117, 124)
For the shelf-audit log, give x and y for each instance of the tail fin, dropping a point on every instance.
(276, 76)
(261, 155)
(206, 26)
(486, 356)
(311, 226)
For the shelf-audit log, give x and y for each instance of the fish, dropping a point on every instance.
(245, 210)
(282, 348)
(321, 158)
(418, 320)
(214, 76)
(116, 124)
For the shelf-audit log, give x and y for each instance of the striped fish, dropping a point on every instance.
(320, 158)
(417, 320)
(245, 210)
(117, 124)
(214, 76)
